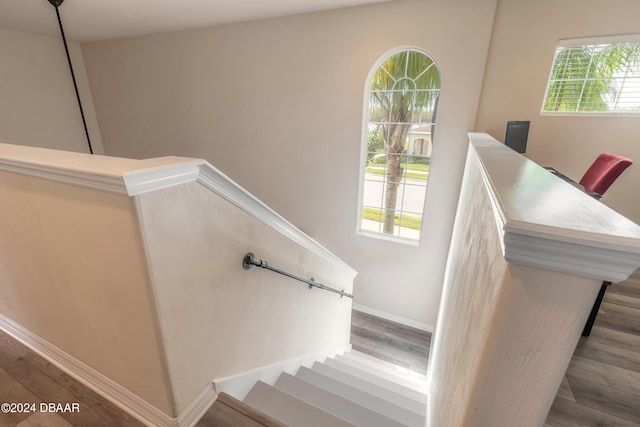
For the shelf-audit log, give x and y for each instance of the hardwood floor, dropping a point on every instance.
(396, 343)
(230, 412)
(602, 384)
(25, 377)
(601, 388)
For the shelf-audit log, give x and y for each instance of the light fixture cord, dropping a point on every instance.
(55, 4)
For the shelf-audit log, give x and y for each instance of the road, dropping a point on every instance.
(414, 193)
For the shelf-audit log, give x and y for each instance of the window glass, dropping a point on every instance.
(595, 76)
(398, 137)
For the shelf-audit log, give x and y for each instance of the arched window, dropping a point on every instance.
(403, 90)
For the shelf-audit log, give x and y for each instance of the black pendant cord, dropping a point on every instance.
(55, 4)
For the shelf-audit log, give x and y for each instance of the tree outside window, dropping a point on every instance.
(595, 77)
(403, 94)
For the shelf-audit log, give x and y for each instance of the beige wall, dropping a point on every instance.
(251, 97)
(72, 271)
(522, 48)
(277, 105)
(38, 104)
(150, 290)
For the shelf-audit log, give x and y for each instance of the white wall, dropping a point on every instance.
(277, 105)
(38, 104)
(522, 48)
(218, 319)
(528, 256)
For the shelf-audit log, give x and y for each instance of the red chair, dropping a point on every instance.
(598, 178)
(604, 171)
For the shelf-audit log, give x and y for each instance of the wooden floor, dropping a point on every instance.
(602, 385)
(230, 412)
(26, 377)
(601, 388)
(399, 344)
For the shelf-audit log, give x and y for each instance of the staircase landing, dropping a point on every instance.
(394, 342)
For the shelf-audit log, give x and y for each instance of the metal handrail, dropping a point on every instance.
(250, 260)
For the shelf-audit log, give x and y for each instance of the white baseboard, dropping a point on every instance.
(198, 407)
(239, 385)
(110, 390)
(393, 317)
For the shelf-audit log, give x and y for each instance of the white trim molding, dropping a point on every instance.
(619, 38)
(580, 260)
(115, 393)
(219, 183)
(156, 178)
(546, 222)
(134, 177)
(109, 183)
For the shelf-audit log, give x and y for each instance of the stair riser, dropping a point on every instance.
(287, 409)
(332, 403)
(374, 403)
(374, 389)
(346, 391)
(363, 373)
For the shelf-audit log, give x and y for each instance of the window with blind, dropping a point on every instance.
(595, 76)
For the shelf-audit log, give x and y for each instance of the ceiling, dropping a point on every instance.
(92, 20)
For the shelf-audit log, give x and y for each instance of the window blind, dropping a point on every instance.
(595, 78)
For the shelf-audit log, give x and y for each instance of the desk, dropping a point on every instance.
(596, 306)
(575, 184)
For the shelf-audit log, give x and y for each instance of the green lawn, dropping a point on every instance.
(408, 221)
(379, 170)
(410, 166)
(417, 167)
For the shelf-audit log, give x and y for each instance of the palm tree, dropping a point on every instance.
(404, 91)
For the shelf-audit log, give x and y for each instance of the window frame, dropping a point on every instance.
(588, 41)
(364, 150)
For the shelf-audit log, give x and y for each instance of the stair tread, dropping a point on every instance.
(389, 372)
(400, 369)
(227, 411)
(288, 409)
(362, 397)
(372, 388)
(332, 403)
(361, 372)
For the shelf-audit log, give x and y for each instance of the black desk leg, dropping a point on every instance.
(594, 311)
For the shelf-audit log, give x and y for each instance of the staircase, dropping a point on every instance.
(353, 389)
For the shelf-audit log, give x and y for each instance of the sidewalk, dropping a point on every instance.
(376, 227)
